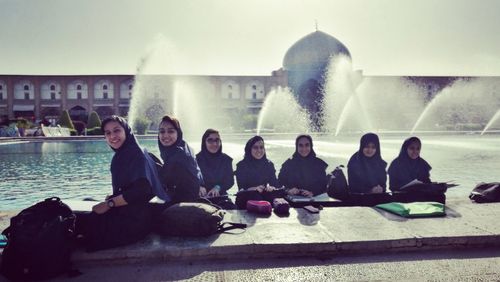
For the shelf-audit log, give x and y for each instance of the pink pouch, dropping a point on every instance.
(260, 207)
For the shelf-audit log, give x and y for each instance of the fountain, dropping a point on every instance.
(491, 122)
(367, 104)
(282, 113)
(155, 94)
(464, 105)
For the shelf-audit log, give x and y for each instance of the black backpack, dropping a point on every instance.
(40, 240)
(337, 184)
(194, 220)
(486, 192)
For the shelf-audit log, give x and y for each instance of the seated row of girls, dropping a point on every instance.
(367, 174)
(126, 216)
(303, 174)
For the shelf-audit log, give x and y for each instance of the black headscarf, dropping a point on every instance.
(217, 168)
(307, 172)
(251, 172)
(403, 169)
(179, 153)
(364, 172)
(131, 162)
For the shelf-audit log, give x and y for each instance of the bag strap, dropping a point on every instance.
(232, 225)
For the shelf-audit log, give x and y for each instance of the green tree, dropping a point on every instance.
(94, 120)
(65, 120)
(141, 125)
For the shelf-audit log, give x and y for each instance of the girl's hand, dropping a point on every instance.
(293, 191)
(203, 192)
(306, 193)
(101, 208)
(377, 189)
(214, 192)
(269, 188)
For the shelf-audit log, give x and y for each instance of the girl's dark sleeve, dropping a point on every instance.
(319, 184)
(284, 176)
(139, 191)
(228, 180)
(356, 183)
(187, 185)
(241, 178)
(272, 180)
(395, 181)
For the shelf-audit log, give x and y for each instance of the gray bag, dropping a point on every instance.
(194, 220)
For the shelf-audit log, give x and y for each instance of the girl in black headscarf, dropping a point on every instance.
(124, 217)
(256, 175)
(180, 174)
(366, 168)
(216, 167)
(408, 166)
(304, 173)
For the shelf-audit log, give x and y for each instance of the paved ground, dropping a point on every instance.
(465, 265)
(308, 246)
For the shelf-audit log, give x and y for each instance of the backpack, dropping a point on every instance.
(40, 240)
(194, 220)
(486, 192)
(337, 184)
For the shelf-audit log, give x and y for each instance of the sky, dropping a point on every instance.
(241, 37)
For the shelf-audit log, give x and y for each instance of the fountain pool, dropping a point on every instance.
(32, 171)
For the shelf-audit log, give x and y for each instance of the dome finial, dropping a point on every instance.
(316, 24)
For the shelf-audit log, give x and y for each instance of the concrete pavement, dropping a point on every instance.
(334, 231)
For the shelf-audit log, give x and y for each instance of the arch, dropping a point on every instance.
(51, 90)
(105, 111)
(126, 88)
(78, 113)
(103, 89)
(230, 90)
(50, 112)
(78, 89)
(24, 90)
(255, 90)
(3, 90)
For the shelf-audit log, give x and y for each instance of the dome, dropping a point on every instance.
(313, 51)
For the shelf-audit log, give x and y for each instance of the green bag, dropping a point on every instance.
(415, 209)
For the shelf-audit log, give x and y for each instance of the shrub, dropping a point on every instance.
(65, 120)
(79, 126)
(141, 125)
(94, 120)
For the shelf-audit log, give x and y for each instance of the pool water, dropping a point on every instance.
(33, 171)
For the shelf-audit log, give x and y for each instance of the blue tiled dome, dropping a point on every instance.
(313, 51)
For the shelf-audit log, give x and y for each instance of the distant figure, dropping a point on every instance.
(256, 175)
(216, 167)
(366, 168)
(124, 217)
(180, 175)
(304, 173)
(409, 176)
(409, 166)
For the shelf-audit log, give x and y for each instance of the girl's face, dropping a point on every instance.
(304, 147)
(413, 150)
(114, 134)
(370, 150)
(167, 134)
(258, 150)
(213, 143)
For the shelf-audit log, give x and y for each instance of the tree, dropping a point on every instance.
(65, 120)
(94, 120)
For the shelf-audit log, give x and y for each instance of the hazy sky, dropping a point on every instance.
(232, 37)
